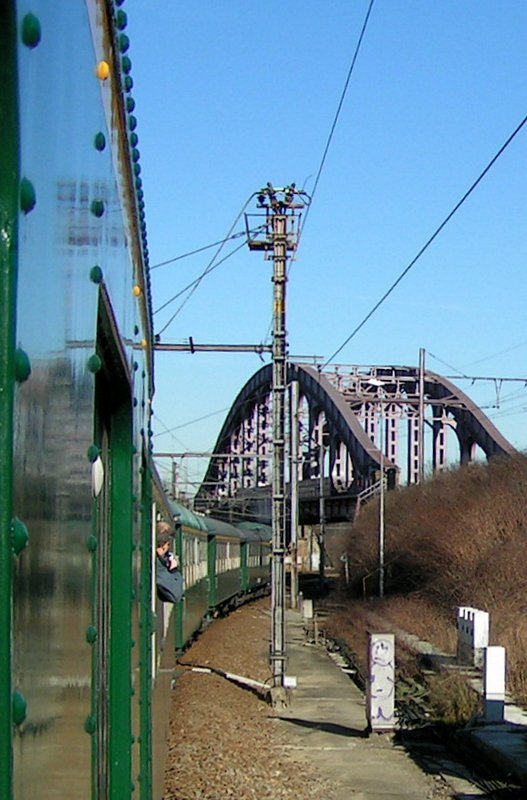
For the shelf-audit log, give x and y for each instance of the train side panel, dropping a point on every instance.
(81, 418)
(191, 612)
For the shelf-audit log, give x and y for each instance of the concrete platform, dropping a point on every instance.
(503, 744)
(325, 724)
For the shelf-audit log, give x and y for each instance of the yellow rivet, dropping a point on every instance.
(144, 344)
(137, 291)
(103, 70)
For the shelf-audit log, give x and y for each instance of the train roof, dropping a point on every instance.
(184, 516)
(219, 526)
(263, 532)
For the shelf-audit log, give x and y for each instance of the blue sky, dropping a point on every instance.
(233, 94)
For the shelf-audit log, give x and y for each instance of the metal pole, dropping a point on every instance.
(321, 511)
(421, 432)
(277, 657)
(381, 501)
(280, 207)
(293, 416)
(174, 479)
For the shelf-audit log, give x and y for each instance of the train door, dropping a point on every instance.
(111, 720)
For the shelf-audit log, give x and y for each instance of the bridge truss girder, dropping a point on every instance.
(338, 415)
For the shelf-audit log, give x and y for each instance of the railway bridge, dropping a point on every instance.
(347, 429)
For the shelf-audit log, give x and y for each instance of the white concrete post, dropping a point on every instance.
(494, 683)
(380, 700)
(473, 635)
(307, 609)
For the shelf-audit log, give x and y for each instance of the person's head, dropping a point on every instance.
(164, 534)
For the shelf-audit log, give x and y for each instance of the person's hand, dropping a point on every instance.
(173, 563)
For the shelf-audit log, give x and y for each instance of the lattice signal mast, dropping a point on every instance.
(278, 239)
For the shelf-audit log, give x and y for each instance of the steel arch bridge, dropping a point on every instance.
(338, 422)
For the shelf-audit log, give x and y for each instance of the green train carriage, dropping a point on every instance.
(76, 383)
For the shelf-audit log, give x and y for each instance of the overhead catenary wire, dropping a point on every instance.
(194, 283)
(337, 113)
(429, 241)
(211, 265)
(331, 133)
(199, 250)
(170, 432)
(446, 364)
(499, 353)
(190, 422)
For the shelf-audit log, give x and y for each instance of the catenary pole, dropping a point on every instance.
(279, 238)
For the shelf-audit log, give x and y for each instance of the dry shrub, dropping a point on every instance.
(451, 700)
(458, 539)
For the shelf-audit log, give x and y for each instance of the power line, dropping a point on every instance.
(331, 132)
(170, 432)
(195, 283)
(500, 353)
(190, 422)
(198, 250)
(339, 109)
(446, 364)
(429, 242)
(211, 265)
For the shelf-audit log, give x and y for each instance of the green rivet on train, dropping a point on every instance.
(99, 141)
(138, 183)
(119, 2)
(130, 104)
(93, 452)
(19, 535)
(19, 707)
(96, 275)
(126, 65)
(91, 634)
(136, 330)
(136, 366)
(121, 20)
(22, 365)
(28, 196)
(132, 122)
(128, 83)
(97, 208)
(31, 31)
(90, 725)
(136, 402)
(94, 363)
(134, 139)
(135, 154)
(137, 169)
(91, 543)
(124, 43)
(132, 643)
